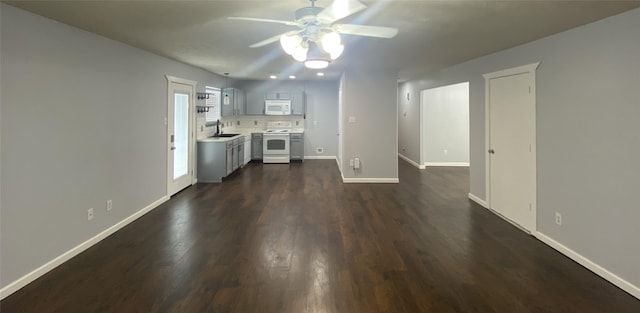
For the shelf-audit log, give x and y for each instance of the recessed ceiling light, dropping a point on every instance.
(273, 76)
(320, 74)
(292, 77)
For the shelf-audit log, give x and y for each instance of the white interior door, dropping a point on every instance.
(511, 146)
(180, 154)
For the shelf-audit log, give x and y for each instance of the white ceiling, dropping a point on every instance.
(432, 34)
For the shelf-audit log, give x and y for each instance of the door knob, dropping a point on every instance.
(492, 151)
(173, 148)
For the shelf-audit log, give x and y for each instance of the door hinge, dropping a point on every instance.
(529, 89)
(529, 147)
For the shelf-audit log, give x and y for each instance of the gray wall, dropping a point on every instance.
(82, 122)
(409, 120)
(321, 122)
(587, 135)
(370, 97)
(445, 124)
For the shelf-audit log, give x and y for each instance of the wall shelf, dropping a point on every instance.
(203, 95)
(203, 108)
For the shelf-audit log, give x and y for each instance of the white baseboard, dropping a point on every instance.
(35, 274)
(590, 265)
(358, 180)
(319, 157)
(366, 180)
(446, 163)
(477, 200)
(411, 161)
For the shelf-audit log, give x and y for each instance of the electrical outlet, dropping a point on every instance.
(89, 214)
(446, 152)
(109, 205)
(558, 218)
(351, 162)
(319, 150)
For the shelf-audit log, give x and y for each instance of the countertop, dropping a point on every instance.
(220, 139)
(293, 131)
(243, 132)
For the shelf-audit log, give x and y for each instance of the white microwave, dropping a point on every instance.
(277, 107)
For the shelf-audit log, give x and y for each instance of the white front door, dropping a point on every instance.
(180, 135)
(511, 145)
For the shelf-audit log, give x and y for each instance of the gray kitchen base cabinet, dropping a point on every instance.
(296, 147)
(217, 160)
(256, 146)
(212, 161)
(247, 150)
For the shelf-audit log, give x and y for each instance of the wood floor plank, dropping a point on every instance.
(294, 238)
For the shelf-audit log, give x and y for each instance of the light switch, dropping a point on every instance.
(352, 119)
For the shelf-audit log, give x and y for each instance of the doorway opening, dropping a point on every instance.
(444, 126)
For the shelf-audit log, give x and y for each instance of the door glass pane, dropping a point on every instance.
(181, 131)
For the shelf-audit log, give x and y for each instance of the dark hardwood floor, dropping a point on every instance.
(293, 238)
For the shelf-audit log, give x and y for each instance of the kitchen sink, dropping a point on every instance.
(224, 135)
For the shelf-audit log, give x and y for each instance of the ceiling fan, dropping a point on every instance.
(317, 28)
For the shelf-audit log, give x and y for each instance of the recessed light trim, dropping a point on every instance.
(292, 77)
(273, 76)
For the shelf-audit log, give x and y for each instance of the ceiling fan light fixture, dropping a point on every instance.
(316, 64)
(290, 42)
(317, 41)
(330, 41)
(300, 54)
(337, 52)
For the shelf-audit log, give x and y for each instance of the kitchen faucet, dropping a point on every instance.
(218, 128)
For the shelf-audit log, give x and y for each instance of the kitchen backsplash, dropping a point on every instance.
(243, 123)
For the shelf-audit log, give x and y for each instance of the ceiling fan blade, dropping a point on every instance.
(253, 19)
(340, 9)
(267, 41)
(366, 30)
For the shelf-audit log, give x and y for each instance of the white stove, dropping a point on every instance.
(279, 127)
(275, 145)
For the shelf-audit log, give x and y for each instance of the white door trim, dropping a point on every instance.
(524, 69)
(192, 84)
